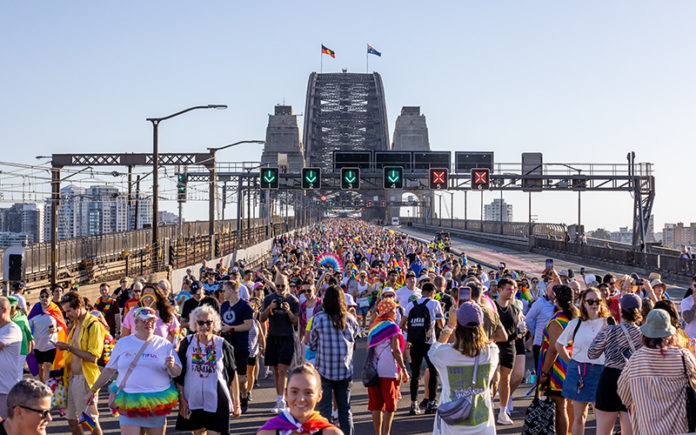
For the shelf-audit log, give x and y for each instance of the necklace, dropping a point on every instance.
(204, 360)
(107, 303)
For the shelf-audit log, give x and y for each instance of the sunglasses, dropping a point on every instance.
(280, 285)
(592, 302)
(388, 296)
(44, 413)
(45, 297)
(204, 322)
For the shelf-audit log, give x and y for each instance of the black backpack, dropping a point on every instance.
(418, 325)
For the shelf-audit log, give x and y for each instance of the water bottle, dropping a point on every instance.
(527, 376)
(532, 377)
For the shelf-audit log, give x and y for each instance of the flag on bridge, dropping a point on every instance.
(328, 51)
(371, 50)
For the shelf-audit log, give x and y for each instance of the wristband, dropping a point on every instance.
(447, 329)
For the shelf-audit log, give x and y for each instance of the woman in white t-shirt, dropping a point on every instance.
(582, 373)
(468, 363)
(148, 393)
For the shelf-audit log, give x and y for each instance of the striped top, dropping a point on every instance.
(653, 388)
(558, 371)
(613, 343)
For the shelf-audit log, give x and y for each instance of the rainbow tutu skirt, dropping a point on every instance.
(146, 404)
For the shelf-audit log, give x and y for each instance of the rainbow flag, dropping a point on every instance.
(87, 422)
(52, 310)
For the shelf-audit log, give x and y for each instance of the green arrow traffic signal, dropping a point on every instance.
(269, 178)
(350, 178)
(393, 177)
(311, 178)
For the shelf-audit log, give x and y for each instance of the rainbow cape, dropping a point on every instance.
(54, 311)
(286, 422)
(384, 330)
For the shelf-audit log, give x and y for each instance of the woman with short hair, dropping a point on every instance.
(207, 385)
(143, 393)
(653, 383)
(475, 357)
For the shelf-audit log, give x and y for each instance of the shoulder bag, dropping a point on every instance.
(457, 411)
(370, 377)
(690, 398)
(112, 395)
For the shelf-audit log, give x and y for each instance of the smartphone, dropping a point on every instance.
(582, 271)
(549, 262)
(464, 295)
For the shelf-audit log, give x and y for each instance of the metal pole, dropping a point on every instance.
(451, 209)
(481, 209)
(130, 194)
(500, 209)
(248, 209)
(55, 200)
(137, 201)
(155, 195)
(439, 212)
(530, 216)
(180, 218)
(579, 208)
(240, 202)
(224, 198)
(465, 208)
(211, 207)
(268, 212)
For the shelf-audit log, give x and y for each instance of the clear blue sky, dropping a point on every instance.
(581, 82)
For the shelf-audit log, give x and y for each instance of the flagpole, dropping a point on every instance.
(321, 60)
(367, 61)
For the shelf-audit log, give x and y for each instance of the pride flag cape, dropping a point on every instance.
(54, 311)
(383, 330)
(286, 422)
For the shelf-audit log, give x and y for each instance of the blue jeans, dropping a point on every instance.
(342, 391)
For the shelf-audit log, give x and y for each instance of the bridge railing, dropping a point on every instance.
(134, 247)
(518, 229)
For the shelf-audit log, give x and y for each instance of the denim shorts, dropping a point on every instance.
(156, 421)
(589, 374)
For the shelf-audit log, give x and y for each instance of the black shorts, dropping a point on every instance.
(279, 350)
(519, 347)
(507, 354)
(45, 357)
(240, 358)
(608, 399)
(251, 361)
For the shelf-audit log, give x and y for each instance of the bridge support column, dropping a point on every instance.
(211, 208)
(55, 200)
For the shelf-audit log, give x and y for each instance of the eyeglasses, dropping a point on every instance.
(592, 301)
(44, 413)
(204, 322)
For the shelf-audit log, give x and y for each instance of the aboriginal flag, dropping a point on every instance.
(328, 51)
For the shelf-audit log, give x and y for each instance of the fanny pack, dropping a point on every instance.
(457, 411)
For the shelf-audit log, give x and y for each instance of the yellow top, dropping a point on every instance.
(91, 339)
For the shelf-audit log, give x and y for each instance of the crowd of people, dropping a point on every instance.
(427, 318)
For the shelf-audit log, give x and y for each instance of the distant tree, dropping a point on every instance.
(601, 233)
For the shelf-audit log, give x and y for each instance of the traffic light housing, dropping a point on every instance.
(269, 178)
(311, 178)
(350, 178)
(480, 178)
(181, 181)
(393, 177)
(438, 178)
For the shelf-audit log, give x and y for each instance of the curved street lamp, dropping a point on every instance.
(155, 182)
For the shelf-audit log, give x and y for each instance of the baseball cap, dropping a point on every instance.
(630, 301)
(448, 275)
(563, 272)
(410, 274)
(195, 287)
(388, 290)
(470, 315)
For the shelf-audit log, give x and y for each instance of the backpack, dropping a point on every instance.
(418, 325)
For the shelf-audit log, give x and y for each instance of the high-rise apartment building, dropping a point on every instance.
(677, 235)
(492, 211)
(95, 210)
(22, 218)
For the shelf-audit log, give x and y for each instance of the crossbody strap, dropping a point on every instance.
(473, 378)
(628, 337)
(132, 366)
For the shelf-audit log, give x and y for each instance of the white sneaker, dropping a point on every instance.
(504, 419)
(280, 406)
(334, 414)
(269, 373)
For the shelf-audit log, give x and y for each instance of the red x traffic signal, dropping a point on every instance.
(480, 178)
(438, 178)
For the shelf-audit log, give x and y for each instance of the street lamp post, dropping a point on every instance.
(212, 187)
(155, 182)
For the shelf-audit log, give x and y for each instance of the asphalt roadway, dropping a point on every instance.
(264, 396)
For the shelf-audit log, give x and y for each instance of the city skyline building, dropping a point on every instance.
(22, 218)
(492, 211)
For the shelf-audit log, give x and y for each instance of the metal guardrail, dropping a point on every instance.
(101, 249)
(519, 229)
